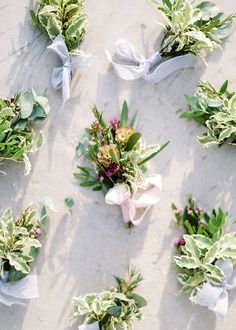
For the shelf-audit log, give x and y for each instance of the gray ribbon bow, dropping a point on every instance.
(61, 76)
(152, 69)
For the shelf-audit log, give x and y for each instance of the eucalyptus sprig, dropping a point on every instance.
(192, 28)
(117, 151)
(62, 17)
(19, 244)
(117, 308)
(216, 110)
(17, 137)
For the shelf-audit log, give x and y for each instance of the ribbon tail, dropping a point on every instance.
(168, 67)
(66, 79)
(221, 307)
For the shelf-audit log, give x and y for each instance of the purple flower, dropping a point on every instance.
(38, 232)
(115, 124)
(112, 169)
(180, 242)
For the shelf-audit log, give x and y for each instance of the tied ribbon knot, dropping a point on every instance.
(17, 292)
(215, 296)
(61, 76)
(153, 69)
(135, 206)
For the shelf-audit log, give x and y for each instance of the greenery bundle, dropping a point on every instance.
(216, 110)
(205, 243)
(19, 244)
(115, 309)
(117, 151)
(192, 28)
(62, 17)
(17, 138)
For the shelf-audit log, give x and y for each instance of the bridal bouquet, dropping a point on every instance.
(117, 308)
(19, 246)
(120, 158)
(65, 22)
(17, 137)
(216, 110)
(206, 257)
(191, 31)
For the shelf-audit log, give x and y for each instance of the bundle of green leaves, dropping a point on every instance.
(64, 17)
(192, 28)
(204, 244)
(117, 308)
(215, 109)
(19, 244)
(17, 138)
(117, 151)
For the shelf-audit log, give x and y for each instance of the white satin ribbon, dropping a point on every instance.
(152, 69)
(215, 296)
(17, 292)
(93, 326)
(61, 76)
(135, 206)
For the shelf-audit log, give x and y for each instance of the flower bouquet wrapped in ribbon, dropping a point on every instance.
(216, 110)
(117, 308)
(19, 246)
(17, 137)
(206, 257)
(120, 157)
(65, 22)
(190, 32)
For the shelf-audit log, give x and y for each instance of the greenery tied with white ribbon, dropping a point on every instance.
(62, 17)
(19, 243)
(17, 137)
(118, 152)
(191, 28)
(205, 243)
(216, 110)
(115, 309)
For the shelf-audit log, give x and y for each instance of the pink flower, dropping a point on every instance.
(112, 169)
(199, 209)
(180, 242)
(190, 212)
(38, 232)
(115, 124)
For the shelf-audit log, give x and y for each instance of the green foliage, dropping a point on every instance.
(197, 221)
(117, 151)
(216, 110)
(198, 257)
(17, 115)
(69, 202)
(64, 17)
(113, 309)
(192, 28)
(19, 244)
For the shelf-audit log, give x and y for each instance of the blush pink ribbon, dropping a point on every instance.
(135, 206)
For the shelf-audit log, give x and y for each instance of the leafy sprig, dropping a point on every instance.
(192, 28)
(17, 137)
(216, 110)
(19, 244)
(114, 309)
(64, 17)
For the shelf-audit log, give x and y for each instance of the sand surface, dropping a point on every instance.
(84, 249)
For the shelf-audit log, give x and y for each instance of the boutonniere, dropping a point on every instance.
(19, 246)
(191, 31)
(117, 308)
(65, 22)
(216, 110)
(207, 254)
(17, 137)
(120, 158)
